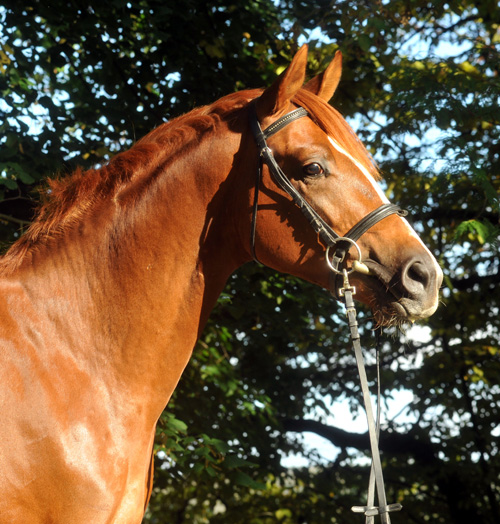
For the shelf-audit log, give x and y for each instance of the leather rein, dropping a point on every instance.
(339, 246)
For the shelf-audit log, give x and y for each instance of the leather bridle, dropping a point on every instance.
(329, 237)
(340, 246)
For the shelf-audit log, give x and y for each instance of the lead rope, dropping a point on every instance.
(376, 477)
(371, 485)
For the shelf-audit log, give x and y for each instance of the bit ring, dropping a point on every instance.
(328, 261)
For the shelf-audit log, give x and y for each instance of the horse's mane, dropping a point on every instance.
(65, 201)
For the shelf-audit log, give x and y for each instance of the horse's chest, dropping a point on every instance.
(56, 481)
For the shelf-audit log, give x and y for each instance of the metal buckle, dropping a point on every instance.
(372, 511)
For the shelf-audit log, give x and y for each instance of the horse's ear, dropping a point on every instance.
(277, 97)
(325, 84)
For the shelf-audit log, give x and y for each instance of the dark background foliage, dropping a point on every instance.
(80, 81)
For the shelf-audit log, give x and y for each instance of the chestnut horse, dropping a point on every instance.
(104, 297)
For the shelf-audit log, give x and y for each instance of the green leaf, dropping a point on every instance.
(243, 479)
(365, 42)
(482, 231)
(172, 424)
(282, 514)
(233, 462)
(8, 182)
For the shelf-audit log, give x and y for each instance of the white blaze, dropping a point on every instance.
(362, 168)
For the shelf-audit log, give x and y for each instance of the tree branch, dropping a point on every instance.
(393, 442)
(14, 220)
(464, 284)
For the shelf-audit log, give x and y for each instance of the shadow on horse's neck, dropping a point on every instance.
(136, 284)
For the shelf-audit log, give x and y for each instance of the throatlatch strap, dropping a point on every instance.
(255, 207)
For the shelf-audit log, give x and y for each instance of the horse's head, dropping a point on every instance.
(330, 169)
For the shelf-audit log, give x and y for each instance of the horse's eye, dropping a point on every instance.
(314, 169)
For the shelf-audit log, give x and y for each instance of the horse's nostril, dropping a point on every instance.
(416, 279)
(419, 286)
(417, 272)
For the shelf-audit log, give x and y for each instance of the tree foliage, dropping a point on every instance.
(80, 81)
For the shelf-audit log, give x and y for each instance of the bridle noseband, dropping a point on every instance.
(330, 238)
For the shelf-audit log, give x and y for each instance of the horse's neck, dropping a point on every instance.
(139, 290)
